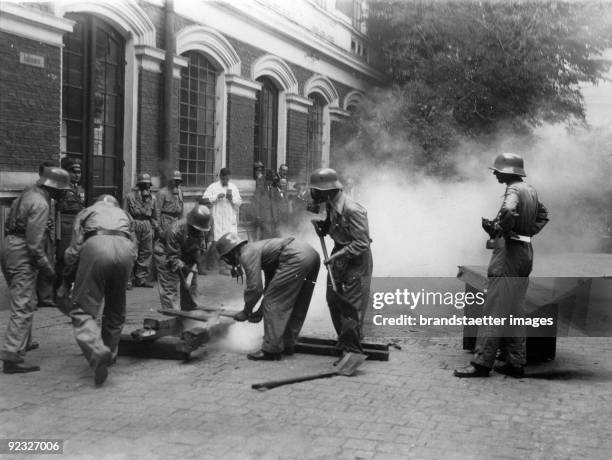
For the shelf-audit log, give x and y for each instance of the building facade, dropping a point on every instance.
(195, 85)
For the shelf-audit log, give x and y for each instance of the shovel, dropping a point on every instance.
(346, 366)
(325, 255)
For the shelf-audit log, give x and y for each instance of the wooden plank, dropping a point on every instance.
(163, 348)
(332, 350)
(332, 342)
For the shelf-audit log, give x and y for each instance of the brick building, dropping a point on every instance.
(196, 85)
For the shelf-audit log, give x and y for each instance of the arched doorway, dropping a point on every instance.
(93, 103)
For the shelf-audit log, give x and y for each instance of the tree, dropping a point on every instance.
(469, 68)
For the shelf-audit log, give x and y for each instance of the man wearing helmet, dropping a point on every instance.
(68, 207)
(350, 262)
(183, 244)
(263, 212)
(141, 206)
(99, 260)
(521, 216)
(169, 210)
(23, 258)
(290, 268)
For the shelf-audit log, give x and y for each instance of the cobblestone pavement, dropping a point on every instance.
(409, 407)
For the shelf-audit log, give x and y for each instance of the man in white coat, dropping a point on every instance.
(225, 201)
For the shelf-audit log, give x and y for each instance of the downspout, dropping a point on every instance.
(168, 154)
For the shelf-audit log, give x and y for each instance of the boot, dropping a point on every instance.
(262, 355)
(101, 368)
(10, 367)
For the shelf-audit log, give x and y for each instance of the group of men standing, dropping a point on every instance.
(106, 242)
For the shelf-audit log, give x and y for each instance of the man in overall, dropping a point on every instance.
(290, 268)
(99, 260)
(183, 244)
(350, 262)
(521, 216)
(142, 208)
(45, 286)
(23, 258)
(68, 207)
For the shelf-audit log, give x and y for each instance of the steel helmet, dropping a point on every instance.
(228, 242)
(176, 175)
(509, 163)
(199, 217)
(55, 177)
(108, 199)
(324, 179)
(143, 178)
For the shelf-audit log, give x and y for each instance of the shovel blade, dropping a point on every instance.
(349, 363)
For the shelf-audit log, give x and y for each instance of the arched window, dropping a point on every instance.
(92, 103)
(197, 120)
(266, 123)
(315, 131)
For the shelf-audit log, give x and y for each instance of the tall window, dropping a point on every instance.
(92, 103)
(266, 123)
(197, 120)
(315, 131)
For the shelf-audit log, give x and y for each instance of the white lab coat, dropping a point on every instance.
(224, 212)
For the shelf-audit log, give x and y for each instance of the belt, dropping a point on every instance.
(16, 233)
(172, 214)
(142, 218)
(521, 238)
(105, 232)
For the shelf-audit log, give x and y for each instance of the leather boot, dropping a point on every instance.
(10, 367)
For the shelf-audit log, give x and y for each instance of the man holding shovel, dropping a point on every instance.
(290, 268)
(350, 264)
(182, 242)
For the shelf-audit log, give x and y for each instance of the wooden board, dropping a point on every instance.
(326, 347)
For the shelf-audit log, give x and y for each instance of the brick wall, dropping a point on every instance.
(149, 119)
(296, 146)
(29, 105)
(240, 118)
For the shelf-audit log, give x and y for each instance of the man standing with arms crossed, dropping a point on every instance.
(521, 216)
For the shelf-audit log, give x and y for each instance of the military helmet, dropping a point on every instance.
(324, 179)
(509, 163)
(176, 175)
(228, 242)
(143, 178)
(70, 163)
(199, 217)
(55, 177)
(108, 199)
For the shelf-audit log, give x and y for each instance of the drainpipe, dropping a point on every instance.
(168, 154)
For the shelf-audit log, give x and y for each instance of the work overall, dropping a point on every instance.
(291, 269)
(103, 253)
(23, 255)
(521, 216)
(144, 214)
(347, 224)
(180, 250)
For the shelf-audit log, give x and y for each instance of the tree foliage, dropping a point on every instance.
(471, 67)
